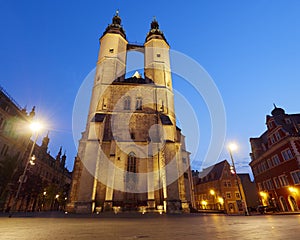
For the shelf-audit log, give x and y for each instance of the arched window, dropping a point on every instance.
(127, 103)
(139, 103)
(131, 164)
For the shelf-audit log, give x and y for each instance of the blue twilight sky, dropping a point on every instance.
(251, 49)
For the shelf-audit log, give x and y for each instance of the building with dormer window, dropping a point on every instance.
(275, 161)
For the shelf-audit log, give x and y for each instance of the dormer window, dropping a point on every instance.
(277, 135)
(288, 121)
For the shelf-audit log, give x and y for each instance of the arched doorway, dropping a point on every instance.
(283, 204)
(293, 203)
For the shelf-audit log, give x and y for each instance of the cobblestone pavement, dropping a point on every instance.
(125, 227)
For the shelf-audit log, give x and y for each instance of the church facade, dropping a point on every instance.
(132, 155)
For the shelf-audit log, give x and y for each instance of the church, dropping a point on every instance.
(132, 156)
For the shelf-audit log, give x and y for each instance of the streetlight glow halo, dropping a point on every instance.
(35, 126)
(232, 146)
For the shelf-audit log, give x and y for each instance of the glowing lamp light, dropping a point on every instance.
(212, 192)
(221, 200)
(263, 194)
(35, 126)
(204, 203)
(293, 189)
(232, 146)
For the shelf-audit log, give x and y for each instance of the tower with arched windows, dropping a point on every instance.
(131, 154)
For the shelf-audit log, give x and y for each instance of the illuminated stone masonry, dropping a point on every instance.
(132, 156)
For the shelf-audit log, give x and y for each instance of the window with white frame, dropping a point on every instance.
(269, 184)
(283, 180)
(287, 154)
(275, 160)
(237, 195)
(276, 182)
(272, 139)
(269, 162)
(296, 176)
(264, 166)
(277, 135)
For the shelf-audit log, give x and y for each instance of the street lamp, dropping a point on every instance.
(212, 192)
(35, 127)
(232, 147)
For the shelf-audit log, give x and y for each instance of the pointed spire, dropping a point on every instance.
(32, 113)
(45, 142)
(58, 155)
(63, 160)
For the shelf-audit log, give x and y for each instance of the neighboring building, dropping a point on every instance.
(251, 194)
(216, 189)
(131, 154)
(276, 161)
(47, 182)
(14, 139)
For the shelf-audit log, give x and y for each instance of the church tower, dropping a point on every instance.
(131, 155)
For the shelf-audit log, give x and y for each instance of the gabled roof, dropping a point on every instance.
(212, 173)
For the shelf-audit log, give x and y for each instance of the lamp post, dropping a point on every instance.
(35, 127)
(212, 192)
(233, 147)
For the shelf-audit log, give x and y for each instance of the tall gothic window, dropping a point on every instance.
(139, 103)
(127, 103)
(131, 165)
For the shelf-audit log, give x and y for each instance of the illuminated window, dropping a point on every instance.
(228, 195)
(296, 177)
(283, 180)
(237, 195)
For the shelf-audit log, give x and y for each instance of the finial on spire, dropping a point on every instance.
(117, 12)
(274, 105)
(154, 24)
